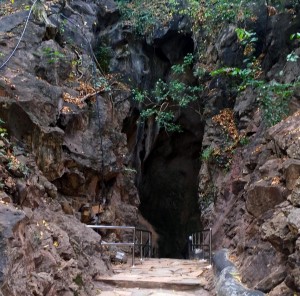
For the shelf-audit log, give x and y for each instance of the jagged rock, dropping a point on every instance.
(295, 196)
(277, 232)
(272, 280)
(9, 218)
(228, 48)
(293, 278)
(262, 197)
(47, 145)
(293, 220)
(54, 65)
(281, 289)
(271, 168)
(108, 216)
(238, 185)
(5, 198)
(286, 135)
(244, 104)
(67, 208)
(260, 260)
(58, 248)
(291, 168)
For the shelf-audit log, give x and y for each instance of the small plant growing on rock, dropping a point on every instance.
(16, 167)
(168, 97)
(53, 55)
(78, 280)
(207, 197)
(274, 99)
(3, 131)
(207, 153)
(104, 55)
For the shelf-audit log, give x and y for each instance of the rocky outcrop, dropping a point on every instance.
(254, 205)
(73, 128)
(62, 148)
(49, 252)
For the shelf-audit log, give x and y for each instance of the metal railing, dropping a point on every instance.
(145, 249)
(202, 241)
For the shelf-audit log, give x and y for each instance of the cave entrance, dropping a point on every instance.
(168, 190)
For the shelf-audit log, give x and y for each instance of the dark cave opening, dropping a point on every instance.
(168, 188)
(167, 164)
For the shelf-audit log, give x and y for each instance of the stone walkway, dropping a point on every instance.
(158, 277)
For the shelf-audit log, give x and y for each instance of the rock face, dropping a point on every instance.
(72, 127)
(66, 151)
(253, 208)
(9, 218)
(52, 253)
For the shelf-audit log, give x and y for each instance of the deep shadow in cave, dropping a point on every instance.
(167, 165)
(168, 189)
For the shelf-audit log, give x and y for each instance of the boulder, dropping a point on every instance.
(281, 289)
(277, 232)
(262, 197)
(293, 278)
(229, 51)
(295, 195)
(286, 135)
(9, 218)
(271, 168)
(293, 220)
(272, 280)
(291, 170)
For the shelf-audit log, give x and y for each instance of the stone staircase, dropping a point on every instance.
(158, 277)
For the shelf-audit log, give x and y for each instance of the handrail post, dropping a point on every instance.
(133, 247)
(210, 247)
(150, 244)
(141, 245)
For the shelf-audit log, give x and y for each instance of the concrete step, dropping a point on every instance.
(171, 275)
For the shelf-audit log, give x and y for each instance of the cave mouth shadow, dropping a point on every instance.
(169, 192)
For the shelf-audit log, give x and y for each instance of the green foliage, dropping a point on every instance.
(3, 131)
(207, 197)
(292, 57)
(140, 15)
(246, 76)
(175, 91)
(199, 72)
(53, 55)
(244, 141)
(180, 68)
(274, 99)
(216, 13)
(103, 55)
(245, 37)
(78, 280)
(207, 153)
(295, 36)
(145, 16)
(62, 26)
(167, 97)
(139, 96)
(103, 83)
